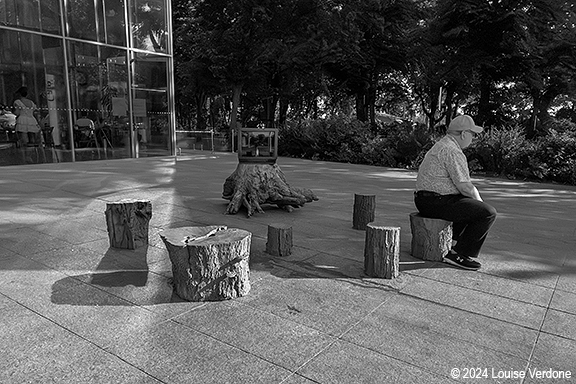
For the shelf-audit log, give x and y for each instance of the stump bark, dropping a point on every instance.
(253, 184)
(209, 263)
(279, 241)
(364, 208)
(431, 238)
(382, 251)
(127, 222)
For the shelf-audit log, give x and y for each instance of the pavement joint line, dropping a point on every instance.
(467, 311)
(531, 355)
(175, 321)
(490, 293)
(103, 349)
(466, 341)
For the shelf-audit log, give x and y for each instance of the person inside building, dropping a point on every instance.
(27, 127)
(84, 131)
(445, 191)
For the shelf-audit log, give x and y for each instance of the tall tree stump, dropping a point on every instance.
(254, 184)
(279, 241)
(382, 251)
(431, 238)
(209, 263)
(127, 222)
(364, 208)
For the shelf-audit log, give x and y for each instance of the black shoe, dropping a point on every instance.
(461, 261)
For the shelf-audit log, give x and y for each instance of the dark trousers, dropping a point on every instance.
(471, 219)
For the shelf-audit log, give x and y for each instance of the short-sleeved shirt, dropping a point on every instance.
(443, 167)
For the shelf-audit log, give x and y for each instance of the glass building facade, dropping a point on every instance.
(108, 61)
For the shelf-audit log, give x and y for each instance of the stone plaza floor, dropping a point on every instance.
(74, 310)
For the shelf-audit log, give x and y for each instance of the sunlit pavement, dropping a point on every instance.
(74, 310)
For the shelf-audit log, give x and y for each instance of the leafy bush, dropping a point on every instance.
(555, 155)
(502, 151)
(336, 139)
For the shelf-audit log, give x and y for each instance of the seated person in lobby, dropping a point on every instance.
(83, 130)
(445, 191)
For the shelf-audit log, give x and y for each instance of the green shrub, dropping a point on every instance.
(501, 151)
(555, 155)
(336, 139)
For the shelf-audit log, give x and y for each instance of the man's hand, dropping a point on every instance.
(468, 189)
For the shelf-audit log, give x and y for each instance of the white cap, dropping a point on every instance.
(464, 123)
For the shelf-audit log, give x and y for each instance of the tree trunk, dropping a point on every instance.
(236, 92)
(252, 185)
(361, 106)
(484, 110)
(127, 222)
(431, 238)
(364, 210)
(209, 263)
(382, 251)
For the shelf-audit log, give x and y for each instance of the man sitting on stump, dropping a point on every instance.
(445, 191)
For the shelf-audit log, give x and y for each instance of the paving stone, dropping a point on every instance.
(560, 324)
(553, 352)
(287, 343)
(456, 323)
(328, 305)
(349, 363)
(497, 307)
(175, 353)
(564, 302)
(41, 351)
(495, 285)
(426, 349)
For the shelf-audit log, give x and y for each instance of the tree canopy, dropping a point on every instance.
(271, 60)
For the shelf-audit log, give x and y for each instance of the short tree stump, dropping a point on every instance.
(431, 238)
(364, 210)
(127, 222)
(279, 242)
(382, 251)
(209, 263)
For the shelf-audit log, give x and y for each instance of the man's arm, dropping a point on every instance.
(468, 189)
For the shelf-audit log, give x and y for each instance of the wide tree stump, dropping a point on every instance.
(209, 263)
(431, 238)
(127, 222)
(279, 240)
(382, 251)
(254, 184)
(364, 208)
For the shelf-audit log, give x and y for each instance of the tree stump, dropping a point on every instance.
(364, 207)
(209, 263)
(382, 251)
(279, 240)
(254, 184)
(127, 222)
(431, 238)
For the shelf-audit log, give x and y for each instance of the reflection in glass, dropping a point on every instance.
(36, 62)
(114, 23)
(149, 25)
(31, 14)
(99, 101)
(82, 19)
(150, 106)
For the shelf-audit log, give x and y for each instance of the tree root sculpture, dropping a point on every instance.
(252, 185)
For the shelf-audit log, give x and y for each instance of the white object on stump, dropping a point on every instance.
(209, 263)
(431, 238)
(382, 251)
(364, 207)
(279, 240)
(127, 222)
